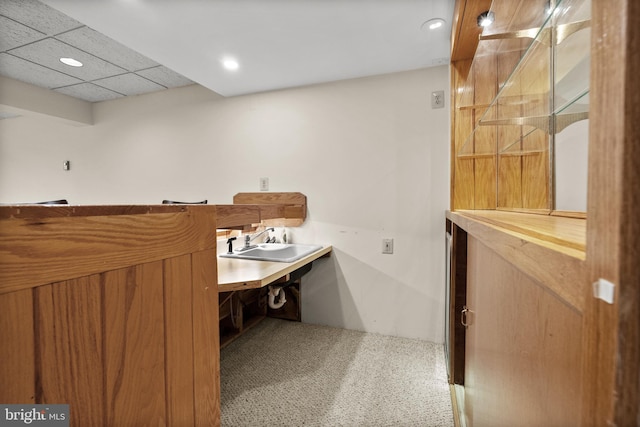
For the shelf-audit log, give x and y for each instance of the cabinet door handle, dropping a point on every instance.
(463, 317)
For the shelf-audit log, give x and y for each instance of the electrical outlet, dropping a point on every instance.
(437, 99)
(387, 246)
(264, 184)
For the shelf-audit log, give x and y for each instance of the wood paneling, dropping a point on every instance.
(509, 181)
(535, 180)
(517, 186)
(17, 351)
(53, 248)
(612, 338)
(206, 340)
(465, 30)
(523, 348)
(234, 216)
(485, 183)
(69, 341)
(134, 345)
(178, 297)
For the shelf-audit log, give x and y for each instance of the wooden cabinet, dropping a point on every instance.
(610, 339)
(112, 310)
(527, 82)
(523, 348)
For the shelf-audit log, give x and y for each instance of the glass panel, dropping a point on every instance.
(571, 101)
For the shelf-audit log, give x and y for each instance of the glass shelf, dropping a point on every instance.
(546, 90)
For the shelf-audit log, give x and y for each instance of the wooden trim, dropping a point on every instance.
(68, 242)
(234, 216)
(206, 339)
(612, 336)
(568, 233)
(465, 32)
(457, 301)
(558, 268)
(275, 209)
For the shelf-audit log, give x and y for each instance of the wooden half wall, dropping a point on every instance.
(112, 310)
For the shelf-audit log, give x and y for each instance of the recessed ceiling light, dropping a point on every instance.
(230, 64)
(71, 62)
(486, 18)
(432, 24)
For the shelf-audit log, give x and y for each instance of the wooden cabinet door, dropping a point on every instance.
(523, 348)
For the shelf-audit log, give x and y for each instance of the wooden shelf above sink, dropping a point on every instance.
(269, 208)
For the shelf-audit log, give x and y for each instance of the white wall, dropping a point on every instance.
(370, 154)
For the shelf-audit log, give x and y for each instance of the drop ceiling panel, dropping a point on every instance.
(89, 92)
(93, 42)
(49, 51)
(129, 84)
(14, 34)
(164, 76)
(28, 72)
(38, 16)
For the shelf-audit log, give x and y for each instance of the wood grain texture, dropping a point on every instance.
(69, 340)
(465, 30)
(612, 337)
(523, 348)
(509, 181)
(206, 339)
(134, 345)
(535, 181)
(36, 251)
(178, 297)
(17, 351)
(485, 183)
(560, 269)
(234, 216)
(116, 345)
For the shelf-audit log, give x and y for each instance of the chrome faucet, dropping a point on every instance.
(248, 238)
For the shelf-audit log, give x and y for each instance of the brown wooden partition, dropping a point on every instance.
(112, 310)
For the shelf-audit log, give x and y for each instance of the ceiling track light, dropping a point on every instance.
(486, 18)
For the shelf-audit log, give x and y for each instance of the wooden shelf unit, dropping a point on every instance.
(533, 283)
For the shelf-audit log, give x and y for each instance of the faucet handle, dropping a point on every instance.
(230, 243)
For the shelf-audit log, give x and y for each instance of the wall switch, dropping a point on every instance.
(437, 99)
(264, 184)
(387, 246)
(66, 165)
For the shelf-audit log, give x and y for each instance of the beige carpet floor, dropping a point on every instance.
(283, 373)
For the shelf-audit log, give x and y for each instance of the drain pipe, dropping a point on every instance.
(274, 291)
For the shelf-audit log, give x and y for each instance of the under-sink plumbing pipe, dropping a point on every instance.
(274, 291)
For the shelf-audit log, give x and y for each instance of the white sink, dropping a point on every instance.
(278, 252)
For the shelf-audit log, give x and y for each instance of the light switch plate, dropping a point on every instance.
(387, 246)
(437, 99)
(264, 184)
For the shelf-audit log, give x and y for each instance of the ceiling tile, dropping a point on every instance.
(35, 74)
(49, 51)
(106, 48)
(89, 92)
(129, 84)
(164, 76)
(38, 16)
(14, 34)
